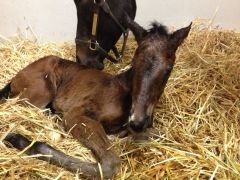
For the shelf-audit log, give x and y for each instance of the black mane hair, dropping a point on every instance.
(157, 28)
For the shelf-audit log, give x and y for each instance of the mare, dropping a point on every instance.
(109, 29)
(95, 103)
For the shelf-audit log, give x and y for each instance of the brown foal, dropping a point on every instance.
(95, 103)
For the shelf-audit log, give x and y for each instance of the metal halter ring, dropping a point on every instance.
(93, 45)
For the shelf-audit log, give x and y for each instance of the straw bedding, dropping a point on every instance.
(197, 116)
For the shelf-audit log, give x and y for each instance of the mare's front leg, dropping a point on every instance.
(91, 134)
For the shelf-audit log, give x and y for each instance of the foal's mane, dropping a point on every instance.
(158, 29)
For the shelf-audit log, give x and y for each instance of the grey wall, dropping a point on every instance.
(55, 20)
(50, 20)
(181, 12)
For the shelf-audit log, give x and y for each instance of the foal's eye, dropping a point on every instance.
(168, 70)
(170, 55)
(169, 67)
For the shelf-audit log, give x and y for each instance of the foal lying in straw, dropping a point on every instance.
(94, 103)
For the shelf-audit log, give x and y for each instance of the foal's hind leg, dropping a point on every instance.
(91, 133)
(39, 91)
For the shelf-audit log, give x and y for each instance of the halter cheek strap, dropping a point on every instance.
(93, 40)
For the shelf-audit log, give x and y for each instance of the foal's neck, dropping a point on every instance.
(125, 78)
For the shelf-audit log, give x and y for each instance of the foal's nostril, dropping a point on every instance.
(139, 125)
(136, 125)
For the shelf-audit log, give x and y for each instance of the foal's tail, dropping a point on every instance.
(52, 155)
(5, 92)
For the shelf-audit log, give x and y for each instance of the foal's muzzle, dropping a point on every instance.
(140, 124)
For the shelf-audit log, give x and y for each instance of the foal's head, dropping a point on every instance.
(152, 66)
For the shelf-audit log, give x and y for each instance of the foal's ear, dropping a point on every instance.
(138, 31)
(177, 37)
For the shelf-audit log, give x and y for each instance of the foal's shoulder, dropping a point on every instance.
(49, 58)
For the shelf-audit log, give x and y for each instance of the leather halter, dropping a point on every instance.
(93, 43)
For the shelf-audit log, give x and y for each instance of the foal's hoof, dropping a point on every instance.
(110, 166)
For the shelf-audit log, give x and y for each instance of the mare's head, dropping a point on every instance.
(108, 32)
(85, 55)
(152, 65)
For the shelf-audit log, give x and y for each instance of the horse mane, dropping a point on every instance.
(157, 28)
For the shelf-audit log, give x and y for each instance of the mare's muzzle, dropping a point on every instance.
(91, 62)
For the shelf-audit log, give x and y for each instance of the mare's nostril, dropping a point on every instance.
(95, 64)
(100, 66)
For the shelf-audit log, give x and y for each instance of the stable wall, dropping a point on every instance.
(54, 20)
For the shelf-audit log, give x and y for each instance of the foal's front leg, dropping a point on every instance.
(91, 133)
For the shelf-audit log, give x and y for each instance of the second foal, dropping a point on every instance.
(93, 102)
